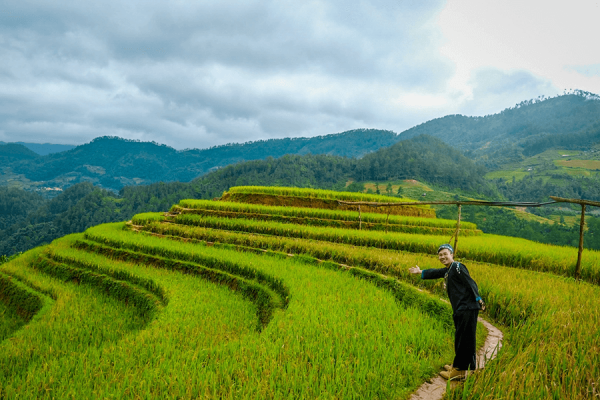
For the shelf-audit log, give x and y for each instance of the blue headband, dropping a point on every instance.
(446, 246)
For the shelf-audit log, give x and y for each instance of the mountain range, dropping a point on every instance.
(43, 149)
(438, 155)
(571, 121)
(112, 162)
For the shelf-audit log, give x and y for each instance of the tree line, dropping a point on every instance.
(27, 220)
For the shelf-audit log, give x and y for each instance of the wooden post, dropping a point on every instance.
(457, 230)
(581, 227)
(387, 219)
(359, 219)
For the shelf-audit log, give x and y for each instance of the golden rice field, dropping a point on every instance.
(587, 164)
(197, 305)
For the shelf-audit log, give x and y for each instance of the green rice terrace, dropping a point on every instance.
(279, 293)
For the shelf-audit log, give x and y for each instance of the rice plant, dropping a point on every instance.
(344, 318)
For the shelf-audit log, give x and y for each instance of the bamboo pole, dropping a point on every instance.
(555, 199)
(387, 219)
(359, 219)
(580, 252)
(465, 203)
(583, 203)
(576, 201)
(457, 230)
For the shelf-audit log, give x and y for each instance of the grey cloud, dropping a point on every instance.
(211, 72)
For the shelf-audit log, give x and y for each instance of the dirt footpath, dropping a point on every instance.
(436, 387)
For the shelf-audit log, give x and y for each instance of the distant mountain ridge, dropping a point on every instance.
(44, 149)
(11, 152)
(502, 137)
(568, 121)
(113, 162)
(27, 219)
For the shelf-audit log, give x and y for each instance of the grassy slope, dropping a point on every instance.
(413, 189)
(533, 306)
(339, 335)
(562, 367)
(575, 163)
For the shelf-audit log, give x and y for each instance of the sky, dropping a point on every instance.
(196, 74)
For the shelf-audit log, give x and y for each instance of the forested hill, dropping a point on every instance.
(114, 162)
(423, 158)
(44, 149)
(12, 152)
(570, 121)
(530, 126)
(28, 220)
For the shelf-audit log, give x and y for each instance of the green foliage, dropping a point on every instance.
(423, 158)
(15, 205)
(342, 316)
(504, 222)
(355, 187)
(22, 300)
(583, 140)
(13, 152)
(302, 212)
(485, 248)
(314, 193)
(146, 304)
(533, 188)
(513, 298)
(317, 217)
(531, 125)
(114, 162)
(335, 325)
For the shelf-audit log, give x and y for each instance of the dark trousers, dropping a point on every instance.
(465, 323)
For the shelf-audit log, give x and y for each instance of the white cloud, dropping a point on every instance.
(536, 36)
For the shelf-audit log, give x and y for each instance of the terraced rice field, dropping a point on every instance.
(251, 302)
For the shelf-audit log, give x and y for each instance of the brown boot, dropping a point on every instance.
(453, 374)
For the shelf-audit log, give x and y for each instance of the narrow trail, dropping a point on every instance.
(435, 388)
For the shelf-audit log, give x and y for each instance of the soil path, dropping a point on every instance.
(435, 388)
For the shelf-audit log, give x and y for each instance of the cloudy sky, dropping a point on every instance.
(194, 74)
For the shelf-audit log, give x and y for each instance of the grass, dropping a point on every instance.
(316, 217)
(315, 193)
(301, 212)
(543, 165)
(507, 175)
(585, 164)
(324, 199)
(347, 331)
(339, 335)
(531, 365)
(533, 307)
(530, 217)
(495, 249)
(9, 321)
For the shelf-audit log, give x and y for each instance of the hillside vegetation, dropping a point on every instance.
(533, 129)
(570, 121)
(159, 308)
(84, 205)
(113, 162)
